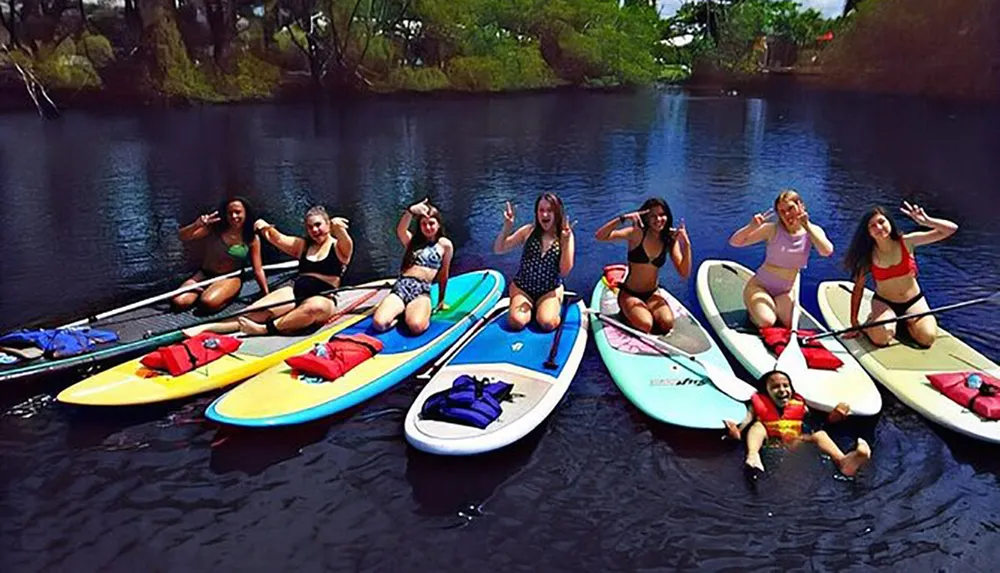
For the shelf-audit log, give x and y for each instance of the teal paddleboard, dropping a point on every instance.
(668, 388)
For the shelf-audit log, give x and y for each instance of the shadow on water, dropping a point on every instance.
(252, 451)
(446, 485)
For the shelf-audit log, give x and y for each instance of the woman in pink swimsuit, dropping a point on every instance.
(768, 295)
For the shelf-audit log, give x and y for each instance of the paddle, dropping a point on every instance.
(791, 360)
(550, 363)
(724, 381)
(991, 298)
(249, 310)
(173, 293)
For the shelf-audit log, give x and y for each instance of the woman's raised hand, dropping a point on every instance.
(210, 218)
(915, 212)
(759, 219)
(508, 213)
(635, 217)
(420, 209)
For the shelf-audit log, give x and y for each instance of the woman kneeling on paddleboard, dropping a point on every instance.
(768, 295)
(547, 258)
(779, 418)
(879, 248)
(323, 259)
(428, 257)
(231, 243)
(639, 297)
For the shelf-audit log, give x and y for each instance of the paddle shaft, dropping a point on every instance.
(249, 310)
(173, 293)
(650, 340)
(993, 297)
(550, 363)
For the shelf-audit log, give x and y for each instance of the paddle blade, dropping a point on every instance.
(791, 360)
(728, 383)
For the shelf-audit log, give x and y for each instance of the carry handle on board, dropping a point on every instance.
(728, 383)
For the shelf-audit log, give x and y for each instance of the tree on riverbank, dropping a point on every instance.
(218, 50)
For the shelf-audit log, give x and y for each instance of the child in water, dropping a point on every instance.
(778, 415)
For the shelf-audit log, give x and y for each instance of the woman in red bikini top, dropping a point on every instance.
(879, 248)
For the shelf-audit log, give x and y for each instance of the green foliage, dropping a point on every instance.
(418, 79)
(517, 67)
(252, 78)
(97, 48)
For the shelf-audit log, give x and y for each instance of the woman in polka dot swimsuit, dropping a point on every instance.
(546, 259)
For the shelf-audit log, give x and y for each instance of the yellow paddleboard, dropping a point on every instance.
(132, 384)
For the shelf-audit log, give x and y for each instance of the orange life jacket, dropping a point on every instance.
(786, 426)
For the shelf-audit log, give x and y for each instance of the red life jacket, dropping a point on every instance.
(194, 352)
(337, 357)
(817, 356)
(984, 400)
(786, 426)
(614, 275)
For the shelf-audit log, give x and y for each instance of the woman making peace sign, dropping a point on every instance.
(231, 242)
(881, 249)
(546, 260)
(768, 295)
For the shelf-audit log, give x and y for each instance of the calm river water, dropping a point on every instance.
(89, 207)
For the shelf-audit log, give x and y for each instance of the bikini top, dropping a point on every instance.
(329, 266)
(427, 256)
(787, 251)
(907, 264)
(639, 254)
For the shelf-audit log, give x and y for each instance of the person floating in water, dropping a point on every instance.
(778, 417)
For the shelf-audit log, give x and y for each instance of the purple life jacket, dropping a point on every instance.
(470, 402)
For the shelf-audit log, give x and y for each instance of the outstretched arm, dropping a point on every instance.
(291, 246)
(939, 228)
(736, 431)
(345, 244)
(200, 228)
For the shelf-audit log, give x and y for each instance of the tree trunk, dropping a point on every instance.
(222, 22)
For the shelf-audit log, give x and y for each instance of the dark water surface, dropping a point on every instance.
(89, 208)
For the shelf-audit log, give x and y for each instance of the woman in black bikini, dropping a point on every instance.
(231, 242)
(323, 259)
(639, 297)
(879, 248)
(547, 258)
(427, 258)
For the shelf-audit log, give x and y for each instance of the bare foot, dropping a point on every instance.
(196, 330)
(853, 461)
(753, 461)
(251, 328)
(733, 429)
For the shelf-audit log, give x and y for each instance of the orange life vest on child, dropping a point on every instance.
(786, 426)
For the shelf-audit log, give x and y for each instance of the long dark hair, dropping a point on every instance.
(249, 216)
(858, 258)
(557, 209)
(665, 235)
(419, 241)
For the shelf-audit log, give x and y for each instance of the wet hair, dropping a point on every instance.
(665, 235)
(249, 216)
(767, 376)
(557, 210)
(419, 241)
(786, 195)
(858, 258)
(316, 211)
